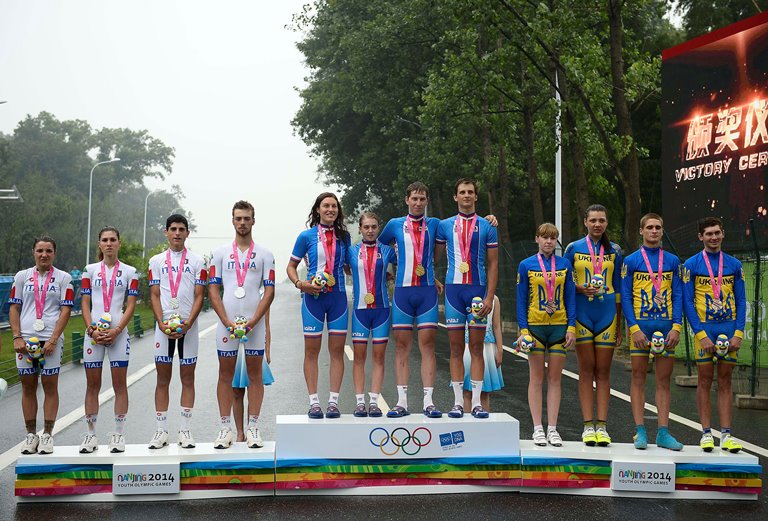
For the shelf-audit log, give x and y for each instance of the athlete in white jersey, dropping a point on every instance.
(105, 286)
(40, 304)
(177, 280)
(239, 269)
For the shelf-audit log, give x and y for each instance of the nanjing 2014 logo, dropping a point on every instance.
(400, 439)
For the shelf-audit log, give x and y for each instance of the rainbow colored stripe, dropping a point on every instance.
(565, 473)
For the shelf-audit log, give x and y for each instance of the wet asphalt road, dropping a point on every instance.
(288, 396)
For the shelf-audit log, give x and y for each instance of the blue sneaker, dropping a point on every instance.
(666, 441)
(397, 411)
(640, 438)
(432, 412)
(456, 412)
(479, 412)
(332, 411)
(315, 411)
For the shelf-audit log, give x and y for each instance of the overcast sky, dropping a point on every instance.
(215, 80)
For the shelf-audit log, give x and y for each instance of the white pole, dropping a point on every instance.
(144, 240)
(90, 196)
(558, 168)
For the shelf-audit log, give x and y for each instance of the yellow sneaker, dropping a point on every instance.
(707, 442)
(730, 444)
(588, 436)
(603, 438)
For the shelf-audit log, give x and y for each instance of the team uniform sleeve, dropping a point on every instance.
(522, 298)
(201, 274)
(268, 269)
(17, 290)
(618, 263)
(677, 298)
(153, 276)
(85, 282)
(740, 293)
(441, 237)
(570, 297)
(627, 306)
(299, 248)
(215, 268)
(689, 294)
(133, 285)
(492, 238)
(387, 235)
(67, 290)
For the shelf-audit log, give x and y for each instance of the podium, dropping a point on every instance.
(143, 474)
(409, 455)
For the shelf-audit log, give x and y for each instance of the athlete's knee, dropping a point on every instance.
(639, 373)
(188, 378)
(603, 373)
(50, 386)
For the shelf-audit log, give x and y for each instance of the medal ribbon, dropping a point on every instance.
(417, 239)
(108, 289)
(597, 262)
(40, 295)
(175, 283)
(549, 277)
(330, 250)
(369, 268)
(655, 278)
(235, 253)
(716, 285)
(465, 235)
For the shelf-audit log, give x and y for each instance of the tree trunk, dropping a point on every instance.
(628, 171)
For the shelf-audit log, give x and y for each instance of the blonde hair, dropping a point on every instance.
(647, 217)
(547, 230)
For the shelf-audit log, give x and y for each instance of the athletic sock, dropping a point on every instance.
(252, 419)
(551, 428)
(333, 398)
(226, 422)
(402, 396)
(374, 397)
(600, 424)
(477, 388)
(162, 420)
(428, 396)
(90, 422)
(186, 418)
(360, 398)
(120, 420)
(706, 430)
(538, 428)
(458, 393)
(314, 400)
(588, 423)
(725, 430)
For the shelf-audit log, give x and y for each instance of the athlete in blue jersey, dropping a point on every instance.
(472, 246)
(715, 304)
(546, 310)
(652, 301)
(415, 296)
(324, 299)
(368, 263)
(596, 265)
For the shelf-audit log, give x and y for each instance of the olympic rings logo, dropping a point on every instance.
(401, 439)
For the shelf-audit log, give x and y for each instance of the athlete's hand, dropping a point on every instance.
(619, 336)
(707, 345)
(487, 306)
(439, 286)
(492, 220)
(735, 344)
(570, 339)
(49, 346)
(639, 340)
(308, 287)
(19, 345)
(499, 355)
(673, 338)
(588, 291)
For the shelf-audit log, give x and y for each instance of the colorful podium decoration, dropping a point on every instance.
(410, 455)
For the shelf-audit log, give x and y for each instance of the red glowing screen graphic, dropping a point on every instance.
(715, 133)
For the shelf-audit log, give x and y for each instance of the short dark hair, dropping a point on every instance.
(464, 181)
(708, 222)
(417, 186)
(44, 238)
(243, 205)
(176, 218)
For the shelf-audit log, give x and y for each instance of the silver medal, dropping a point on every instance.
(174, 303)
(39, 325)
(239, 292)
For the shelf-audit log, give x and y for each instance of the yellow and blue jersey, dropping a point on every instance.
(698, 296)
(532, 294)
(638, 296)
(577, 253)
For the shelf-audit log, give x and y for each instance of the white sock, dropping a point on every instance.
(374, 397)
(90, 422)
(360, 398)
(402, 396)
(428, 396)
(477, 388)
(252, 418)
(551, 428)
(314, 400)
(226, 422)
(538, 428)
(458, 393)
(162, 420)
(120, 420)
(186, 417)
(333, 398)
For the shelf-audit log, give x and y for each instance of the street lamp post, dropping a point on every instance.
(90, 196)
(144, 240)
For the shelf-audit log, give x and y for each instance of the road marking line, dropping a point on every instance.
(381, 402)
(652, 408)
(10, 455)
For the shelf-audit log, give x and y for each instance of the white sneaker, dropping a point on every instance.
(159, 440)
(554, 439)
(30, 443)
(253, 438)
(116, 443)
(90, 444)
(186, 440)
(224, 439)
(46, 444)
(539, 438)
